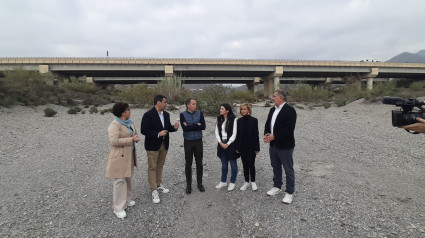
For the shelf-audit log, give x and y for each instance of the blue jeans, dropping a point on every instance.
(225, 168)
(279, 158)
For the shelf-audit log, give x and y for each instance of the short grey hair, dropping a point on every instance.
(281, 93)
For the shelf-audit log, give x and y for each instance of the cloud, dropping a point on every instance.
(268, 29)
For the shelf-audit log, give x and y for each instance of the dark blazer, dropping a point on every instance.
(150, 127)
(284, 127)
(247, 139)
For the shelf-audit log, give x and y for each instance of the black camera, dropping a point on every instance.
(406, 115)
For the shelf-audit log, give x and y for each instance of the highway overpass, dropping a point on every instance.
(271, 73)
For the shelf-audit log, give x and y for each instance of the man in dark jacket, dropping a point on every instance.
(279, 132)
(193, 123)
(156, 126)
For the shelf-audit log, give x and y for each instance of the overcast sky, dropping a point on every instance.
(237, 29)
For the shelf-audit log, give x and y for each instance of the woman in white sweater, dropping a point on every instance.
(225, 132)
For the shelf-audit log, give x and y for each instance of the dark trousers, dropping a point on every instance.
(193, 148)
(279, 158)
(248, 162)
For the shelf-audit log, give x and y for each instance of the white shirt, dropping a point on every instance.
(161, 116)
(224, 134)
(275, 113)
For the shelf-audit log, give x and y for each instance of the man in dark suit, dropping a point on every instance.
(155, 126)
(279, 132)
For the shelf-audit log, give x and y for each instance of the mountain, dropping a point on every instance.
(407, 57)
(421, 53)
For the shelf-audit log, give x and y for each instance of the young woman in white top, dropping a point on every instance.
(225, 132)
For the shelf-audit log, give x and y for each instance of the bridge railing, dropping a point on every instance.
(187, 61)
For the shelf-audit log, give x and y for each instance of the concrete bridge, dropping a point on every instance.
(271, 73)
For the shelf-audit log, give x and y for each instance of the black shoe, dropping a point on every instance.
(201, 188)
(189, 189)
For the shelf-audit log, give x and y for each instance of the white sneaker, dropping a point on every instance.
(244, 186)
(254, 186)
(221, 185)
(288, 198)
(273, 191)
(231, 186)
(121, 214)
(162, 189)
(155, 196)
(131, 203)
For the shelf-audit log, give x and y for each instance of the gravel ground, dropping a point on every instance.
(356, 176)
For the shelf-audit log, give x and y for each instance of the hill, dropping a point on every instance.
(407, 57)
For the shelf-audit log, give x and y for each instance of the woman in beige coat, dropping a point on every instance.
(121, 157)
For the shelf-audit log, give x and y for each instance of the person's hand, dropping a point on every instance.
(163, 133)
(199, 124)
(224, 146)
(184, 123)
(268, 138)
(417, 127)
(136, 138)
(176, 125)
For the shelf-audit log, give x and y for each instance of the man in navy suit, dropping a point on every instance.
(279, 132)
(156, 126)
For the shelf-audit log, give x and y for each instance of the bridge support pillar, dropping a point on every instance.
(268, 88)
(253, 86)
(328, 80)
(272, 82)
(373, 73)
(169, 71)
(42, 69)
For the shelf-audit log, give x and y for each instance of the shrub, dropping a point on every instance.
(138, 94)
(171, 88)
(105, 111)
(93, 110)
(417, 86)
(326, 105)
(49, 112)
(243, 96)
(80, 85)
(340, 101)
(210, 100)
(74, 110)
(382, 88)
(307, 93)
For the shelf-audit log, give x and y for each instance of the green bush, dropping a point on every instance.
(340, 101)
(308, 93)
(138, 94)
(80, 85)
(49, 112)
(211, 98)
(74, 110)
(171, 87)
(417, 86)
(326, 105)
(105, 111)
(93, 110)
(243, 96)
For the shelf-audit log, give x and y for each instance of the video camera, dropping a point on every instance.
(405, 116)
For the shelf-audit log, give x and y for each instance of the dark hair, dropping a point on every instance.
(119, 108)
(188, 101)
(230, 115)
(158, 98)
